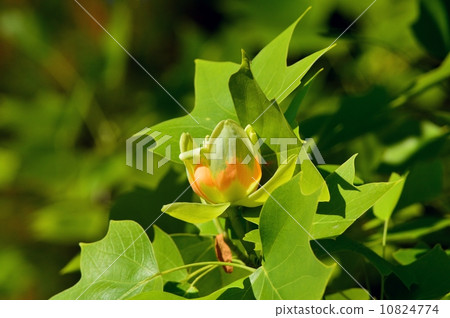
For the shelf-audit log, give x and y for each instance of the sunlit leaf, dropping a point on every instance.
(384, 207)
(167, 255)
(194, 212)
(286, 219)
(120, 265)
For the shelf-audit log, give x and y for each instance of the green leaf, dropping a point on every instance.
(433, 19)
(213, 103)
(116, 267)
(424, 82)
(210, 228)
(406, 256)
(240, 289)
(312, 180)
(426, 278)
(167, 255)
(349, 294)
(276, 79)
(194, 212)
(342, 243)
(290, 269)
(253, 236)
(253, 107)
(410, 231)
(347, 201)
(157, 295)
(429, 173)
(73, 265)
(386, 204)
(294, 106)
(196, 248)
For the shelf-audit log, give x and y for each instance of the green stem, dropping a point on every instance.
(383, 252)
(237, 224)
(218, 226)
(210, 268)
(195, 273)
(229, 242)
(145, 281)
(250, 269)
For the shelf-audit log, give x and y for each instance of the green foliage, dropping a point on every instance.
(119, 266)
(286, 220)
(195, 212)
(168, 256)
(347, 201)
(213, 103)
(381, 92)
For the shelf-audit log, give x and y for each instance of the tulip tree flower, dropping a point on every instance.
(225, 171)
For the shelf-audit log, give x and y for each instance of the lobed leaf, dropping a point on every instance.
(118, 266)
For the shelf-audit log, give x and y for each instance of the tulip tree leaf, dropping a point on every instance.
(253, 236)
(290, 269)
(213, 103)
(156, 295)
(349, 294)
(276, 79)
(240, 289)
(347, 201)
(118, 266)
(424, 82)
(253, 107)
(342, 243)
(426, 278)
(385, 206)
(73, 265)
(434, 18)
(294, 106)
(168, 255)
(194, 212)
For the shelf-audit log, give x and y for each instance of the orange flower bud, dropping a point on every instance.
(226, 167)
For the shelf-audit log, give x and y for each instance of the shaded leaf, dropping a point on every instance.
(342, 243)
(293, 108)
(240, 289)
(347, 201)
(349, 294)
(72, 266)
(426, 278)
(253, 107)
(253, 236)
(432, 27)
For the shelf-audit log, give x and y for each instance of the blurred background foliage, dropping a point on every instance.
(70, 97)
